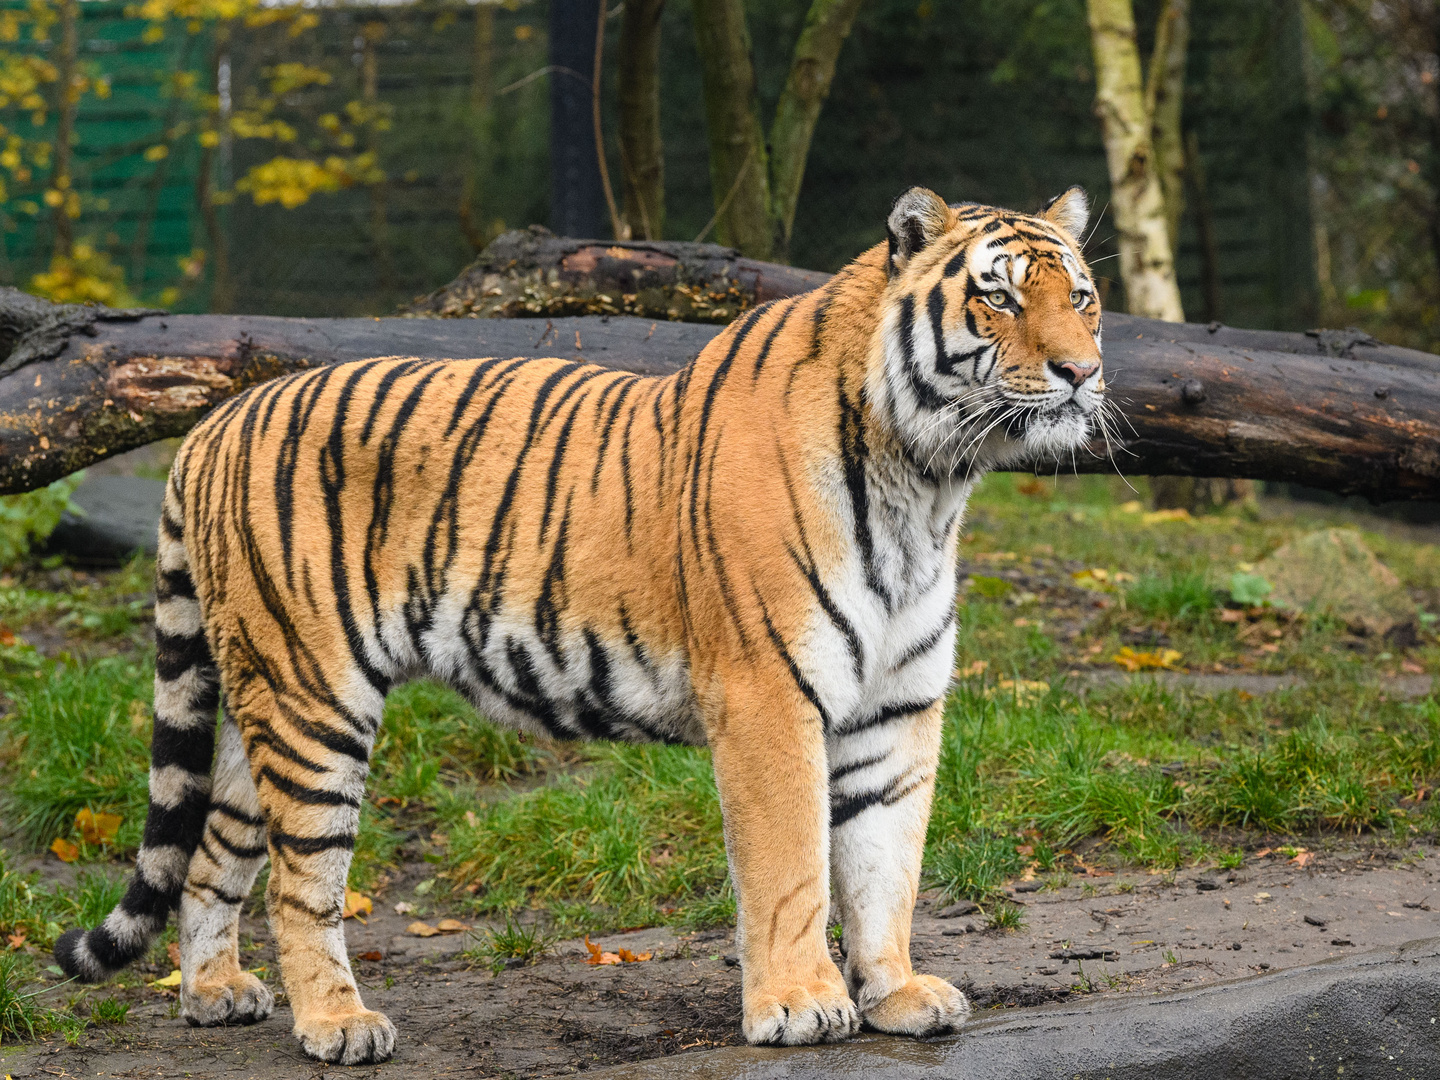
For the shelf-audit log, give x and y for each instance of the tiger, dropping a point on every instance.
(757, 553)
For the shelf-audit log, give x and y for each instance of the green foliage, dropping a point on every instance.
(1249, 590)
(1182, 595)
(109, 1011)
(991, 588)
(20, 1017)
(26, 520)
(513, 944)
(1006, 916)
(78, 737)
(643, 827)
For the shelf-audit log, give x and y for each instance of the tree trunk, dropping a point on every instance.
(1330, 409)
(1147, 264)
(827, 25)
(1167, 98)
(755, 182)
(739, 163)
(60, 195)
(482, 58)
(642, 155)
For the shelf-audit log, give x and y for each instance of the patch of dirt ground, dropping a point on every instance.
(1143, 933)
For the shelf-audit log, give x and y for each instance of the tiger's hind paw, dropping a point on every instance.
(357, 1039)
(239, 999)
(923, 1006)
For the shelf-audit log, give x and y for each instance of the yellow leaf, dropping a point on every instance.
(64, 850)
(96, 828)
(169, 981)
(1131, 660)
(420, 929)
(1156, 516)
(356, 905)
(451, 926)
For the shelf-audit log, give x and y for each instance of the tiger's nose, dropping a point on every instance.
(1074, 372)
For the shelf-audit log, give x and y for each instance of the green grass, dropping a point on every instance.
(512, 944)
(1042, 770)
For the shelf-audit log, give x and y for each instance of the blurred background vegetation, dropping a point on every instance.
(222, 155)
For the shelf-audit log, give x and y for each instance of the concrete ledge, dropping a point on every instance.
(1369, 1015)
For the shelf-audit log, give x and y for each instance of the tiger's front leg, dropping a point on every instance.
(769, 757)
(310, 776)
(882, 777)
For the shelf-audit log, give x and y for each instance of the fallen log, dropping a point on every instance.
(1332, 409)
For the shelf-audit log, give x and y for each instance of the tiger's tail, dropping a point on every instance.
(187, 694)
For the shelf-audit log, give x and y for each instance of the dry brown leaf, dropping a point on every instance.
(624, 956)
(373, 954)
(1303, 857)
(1264, 851)
(452, 926)
(96, 828)
(16, 940)
(64, 850)
(173, 952)
(7, 637)
(421, 929)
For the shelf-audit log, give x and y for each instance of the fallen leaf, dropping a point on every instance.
(628, 957)
(1411, 668)
(451, 926)
(169, 981)
(373, 954)
(64, 850)
(7, 637)
(972, 669)
(404, 907)
(1303, 858)
(1262, 853)
(1232, 615)
(356, 905)
(1156, 516)
(624, 956)
(420, 929)
(96, 828)
(16, 940)
(173, 951)
(1149, 660)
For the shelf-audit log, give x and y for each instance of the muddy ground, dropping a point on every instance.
(561, 1015)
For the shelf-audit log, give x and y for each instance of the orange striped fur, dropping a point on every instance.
(757, 553)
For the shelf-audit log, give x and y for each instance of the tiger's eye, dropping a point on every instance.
(998, 298)
(1078, 298)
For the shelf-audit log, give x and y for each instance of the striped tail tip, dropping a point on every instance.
(94, 955)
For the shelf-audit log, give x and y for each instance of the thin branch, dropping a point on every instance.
(618, 228)
(720, 210)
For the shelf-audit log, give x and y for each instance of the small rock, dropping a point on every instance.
(1236, 946)
(1029, 886)
(1341, 941)
(731, 960)
(1085, 954)
(1263, 966)
(964, 907)
(1206, 885)
(953, 931)
(1048, 970)
(1315, 920)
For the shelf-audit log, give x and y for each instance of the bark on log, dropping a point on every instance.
(531, 272)
(1333, 410)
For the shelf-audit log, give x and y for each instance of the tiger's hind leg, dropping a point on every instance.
(310, 759)
(882, 777)
(214, 989)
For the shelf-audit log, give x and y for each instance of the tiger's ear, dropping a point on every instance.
(917, 219)
(1069, 210)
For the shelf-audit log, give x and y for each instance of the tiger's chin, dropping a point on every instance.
(1050, 435)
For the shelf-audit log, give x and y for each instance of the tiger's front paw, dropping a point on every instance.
(800, 1015)
(240, 998)
(357, 1039)
(923, 1005)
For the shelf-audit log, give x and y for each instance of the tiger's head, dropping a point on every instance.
(988, 352)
